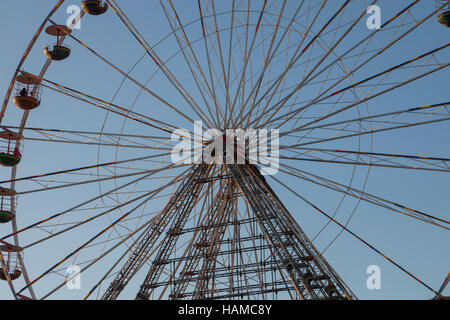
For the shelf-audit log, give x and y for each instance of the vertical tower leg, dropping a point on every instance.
(309, 273)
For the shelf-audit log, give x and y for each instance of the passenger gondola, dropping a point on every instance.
(94, 7)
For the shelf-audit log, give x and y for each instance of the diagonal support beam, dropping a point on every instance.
(309, 273)
(140, 250)
(181, 207)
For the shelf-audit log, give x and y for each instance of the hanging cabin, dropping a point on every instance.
(94, 7)
(27, 92)
(443, 12)
(58, 51)
(7, 200)
(10, 255)
(10, 147)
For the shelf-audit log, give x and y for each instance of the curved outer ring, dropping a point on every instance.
(22, 125)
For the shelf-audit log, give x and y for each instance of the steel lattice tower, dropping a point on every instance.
(273, 259)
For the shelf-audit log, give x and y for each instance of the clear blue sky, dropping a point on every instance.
(420, 248)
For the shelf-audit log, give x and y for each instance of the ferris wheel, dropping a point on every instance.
(340, 97)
